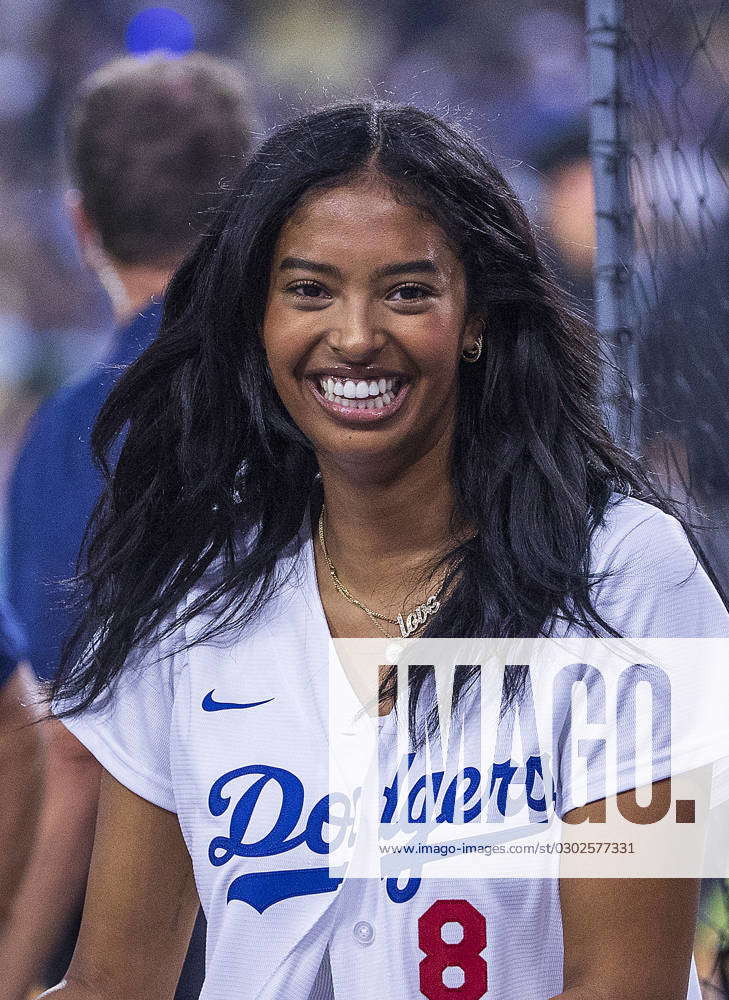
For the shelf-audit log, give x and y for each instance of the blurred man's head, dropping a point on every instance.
(568, 200)
(149, 141)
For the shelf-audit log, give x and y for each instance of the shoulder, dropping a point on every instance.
(283, 587)
(58, 416)
(632, 529)
(206, 626)
(648, 579)
(71, 411)
(39, 455)
(43, 425)
(54, 480)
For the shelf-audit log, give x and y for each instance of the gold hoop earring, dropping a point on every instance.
(474, 354)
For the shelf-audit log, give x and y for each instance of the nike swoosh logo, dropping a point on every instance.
(210, 705)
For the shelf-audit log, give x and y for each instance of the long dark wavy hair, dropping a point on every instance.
(209, 456)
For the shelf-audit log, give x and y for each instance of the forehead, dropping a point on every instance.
(362, 223)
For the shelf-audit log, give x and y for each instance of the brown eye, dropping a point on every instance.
(410, 292)
(308, 290)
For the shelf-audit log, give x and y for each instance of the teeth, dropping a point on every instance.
(360, 395)
(372, 403)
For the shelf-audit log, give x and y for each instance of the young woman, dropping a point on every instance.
(366, 398)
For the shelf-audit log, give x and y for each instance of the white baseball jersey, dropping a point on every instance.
(232, 736)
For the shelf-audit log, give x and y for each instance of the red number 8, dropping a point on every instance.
(465, 955)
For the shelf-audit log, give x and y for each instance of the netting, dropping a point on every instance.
(669, 96)
(677, 98)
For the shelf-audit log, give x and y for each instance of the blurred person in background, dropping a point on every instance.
(149, 142)
(20, 767)
(567, 208)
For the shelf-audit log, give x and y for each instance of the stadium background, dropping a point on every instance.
(515, 70)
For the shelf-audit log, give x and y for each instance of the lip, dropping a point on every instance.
(356, 373)
(355, 418)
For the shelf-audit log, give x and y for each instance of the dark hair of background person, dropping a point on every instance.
(213, 469)
(145, 142)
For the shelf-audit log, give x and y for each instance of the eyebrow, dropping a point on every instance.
(300, 264)
(422, 266)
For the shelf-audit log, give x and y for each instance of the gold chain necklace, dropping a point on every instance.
(408, 624)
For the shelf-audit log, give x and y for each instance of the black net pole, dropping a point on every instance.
(610, 151)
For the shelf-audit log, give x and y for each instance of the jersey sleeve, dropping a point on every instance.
(129, 732)
(650, 586)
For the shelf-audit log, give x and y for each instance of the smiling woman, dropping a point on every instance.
(368, 412)
(338, 324)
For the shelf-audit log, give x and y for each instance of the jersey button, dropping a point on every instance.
(364, 933)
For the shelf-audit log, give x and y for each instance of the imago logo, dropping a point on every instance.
(502, 751)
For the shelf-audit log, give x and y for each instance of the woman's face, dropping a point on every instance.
(364, 327)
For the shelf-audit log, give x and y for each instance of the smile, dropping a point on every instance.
(360, 400)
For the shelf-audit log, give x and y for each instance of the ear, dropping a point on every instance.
(86, 233)
(475, 327)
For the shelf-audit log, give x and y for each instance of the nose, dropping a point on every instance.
(356, 337)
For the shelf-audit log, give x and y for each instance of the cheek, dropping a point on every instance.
(272, 330)
(282, 341)
(438, 341)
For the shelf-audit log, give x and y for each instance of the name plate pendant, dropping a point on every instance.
(417, 618)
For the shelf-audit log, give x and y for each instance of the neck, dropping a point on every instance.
(132, 287)
(381, 535)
